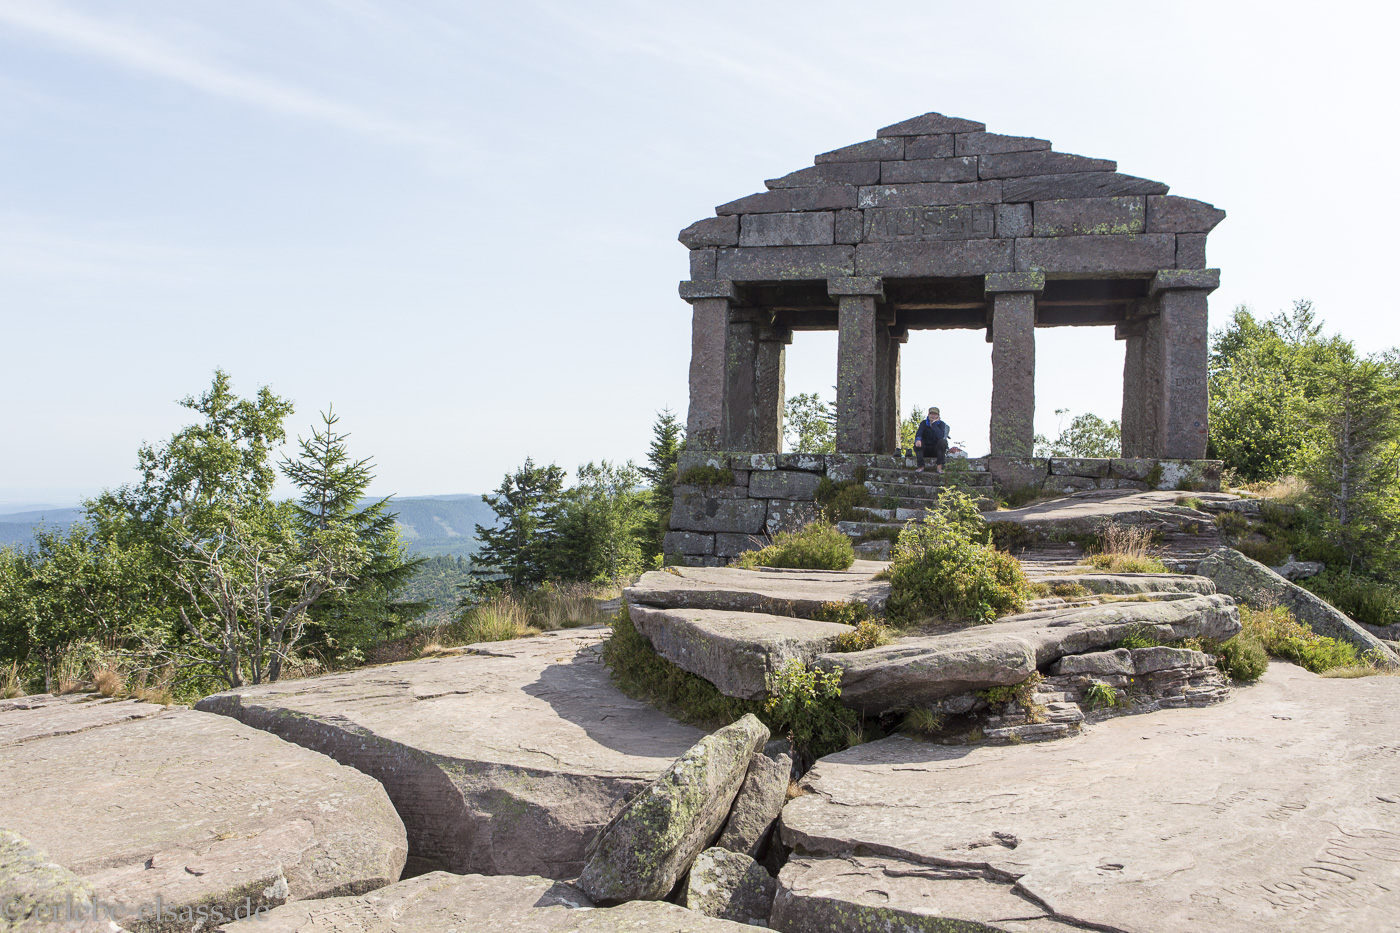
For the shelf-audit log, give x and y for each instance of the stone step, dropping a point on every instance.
(927, 479)
(770, 590)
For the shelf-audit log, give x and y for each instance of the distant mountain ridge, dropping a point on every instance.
(430, 525)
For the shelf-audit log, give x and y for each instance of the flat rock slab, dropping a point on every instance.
(1086, 509)
(196, 810)
(778, 592)
(920, 669)
(43, 715)
(439, 902)
(1127, 584)
(735, 651)
(1278, 810)
(506, 760)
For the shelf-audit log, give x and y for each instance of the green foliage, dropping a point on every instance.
(841, 502)
(943, 567)
(1191, 502)
(851, 612)
(809, 424)
(519, 548)
(707, 475)
(1087, 435)
(805, 703)
(1012, 537)
(1242, 658)
(602, 527)
(438, 582)
(1361, 597)
(817, 546)
(1068, 590)
(668, 438)
(909, 427)
(1100, 695)
(868, 634)
(1278, 633)
(1023, 694)
(1126, 563)
(887, 533)
(922, 721)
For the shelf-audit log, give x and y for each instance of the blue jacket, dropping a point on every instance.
(932, 431)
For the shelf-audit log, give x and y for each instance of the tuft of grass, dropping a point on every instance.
(11, 682)
(867, 634)
(501, 618)
(1123, 548)
(109, 681)
(922, 721)
(1100, 695)
(1037, 590)
(1191, 502)
(1068, 590)
(1279, 634)
(850, 612)
(818, 546)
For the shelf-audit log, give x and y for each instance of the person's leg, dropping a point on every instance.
(940, 453)
(919, 459)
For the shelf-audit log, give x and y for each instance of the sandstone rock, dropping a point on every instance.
(783, 484)
(39, 894)
(755, 810)
(1273, 812)
(920, 669)
(1126, 584)
(819, 895)
(1251, 582)
(439, 902)
(506, 760)
(196, 810)
(1299, 569)
(21, 719)
(731, 886)
(779, 592)
(650, 844)
(735, 651)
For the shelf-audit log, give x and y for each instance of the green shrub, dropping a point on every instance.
(1281, 636)
(852, 612)
(1362, 598)
(840, 502)
(1242, 658)
(805, 703)
(1232, 524)
(1100, 695)
(1012, 537)
(1068, 590)
(943, 567)
(922, 721)
(706, 475)
(1191, 502)
(818, 546)
(867, 634)
(1269, 552)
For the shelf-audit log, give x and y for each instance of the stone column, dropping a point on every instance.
(740, 380)
(1182, 340)
(770, 388)
(1131, 332)
(710, 303)
(857, 361)
(890, 405)
(1013, 297)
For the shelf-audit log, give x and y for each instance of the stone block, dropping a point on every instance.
(702, 263)
(762, 462)
(856, 285)
(931, 123)
(1171, 214)
(1043, 162)
(994, 143)
(1018, 472)
(829, 173)
(1013, 220)
(869, 151)
(1190, 250)
(728, 545)
(730, 886)
(1077, 185)
(919, 170)
(774, 263)
(712, 231)
(760, 801)
(784, 484)
(1069, 484)
(1085, 216)
(1118, 661)
(1202, 279)
(1153, 660)
(718, 459)
(1091, 255)
(714, 492)
(848, 226)
(832, 198)
(813, 463)
(998, 282)
(688, 542)
(788, 514)
(1079, 466)
(708, 288)
(935, 258)
(929, 147)
(929, 194)
(948, 222)
(699, 512)
(803, 228)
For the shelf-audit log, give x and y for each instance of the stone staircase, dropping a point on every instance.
(906, 496)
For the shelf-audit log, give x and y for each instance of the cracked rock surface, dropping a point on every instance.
(1278, 810)
(504, 760)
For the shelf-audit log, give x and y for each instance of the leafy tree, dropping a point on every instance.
(602, 526)
(1087, 435)
(668, 437)
(517, 550)
(909, 427)
(809, 424)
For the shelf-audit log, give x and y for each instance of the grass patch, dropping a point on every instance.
(943, 567)
(1232, 524)
(818, 546)
(851, 612)
(1191, 502)
(922, 721)
(1279, 634)
(1100, 695)
(11, 684)
(1068, 590)
(706, 475)
(867, 634)
(842, 502)
(1125, 549)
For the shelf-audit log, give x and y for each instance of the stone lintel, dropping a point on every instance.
(1128, 329)
(1002, 282)
(1169, 279)
(714, 288)
(899, 334)
(856, 285)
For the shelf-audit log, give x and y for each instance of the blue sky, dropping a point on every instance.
(457, 221)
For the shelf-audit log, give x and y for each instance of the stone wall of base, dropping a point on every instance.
(769, 493)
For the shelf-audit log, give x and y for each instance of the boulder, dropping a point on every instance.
(731, 886)
(194, 810)
(735, 651)
(651, 842)
(756, 809)
(39, 894)
(1251, 582)
(820, 895)
(778, 592)
(504, 760)
(921, 669)
(1276, 811)
(1299, 569)
(439, 901)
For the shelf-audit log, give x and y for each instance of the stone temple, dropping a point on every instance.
(936, 223)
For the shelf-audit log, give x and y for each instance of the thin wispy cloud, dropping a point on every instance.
(145, 53)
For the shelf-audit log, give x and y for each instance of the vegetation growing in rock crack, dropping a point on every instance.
(844, 501)
(1125, 549)
(1099, 695)
(867, 634)
(944, 567)
(805, 704)
(816, 546)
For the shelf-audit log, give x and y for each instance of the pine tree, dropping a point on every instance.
(668, 438)
(517, 550)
